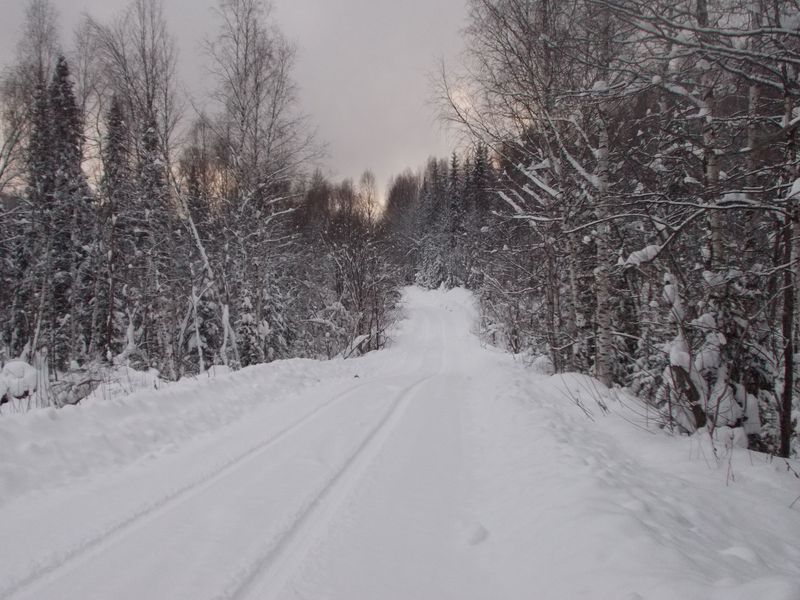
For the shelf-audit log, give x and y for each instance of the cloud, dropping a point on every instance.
(361, 68)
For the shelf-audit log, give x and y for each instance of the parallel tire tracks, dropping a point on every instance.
(174, 497)
(361, 457)
(282, 557)
(303, 525)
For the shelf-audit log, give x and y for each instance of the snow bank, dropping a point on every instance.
(18, 383)
(613, 508)
(18, 378)
(134, 415)
(543, 365)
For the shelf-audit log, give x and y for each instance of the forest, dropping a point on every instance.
(623, 203)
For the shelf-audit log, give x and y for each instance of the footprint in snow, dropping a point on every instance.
(477, 534)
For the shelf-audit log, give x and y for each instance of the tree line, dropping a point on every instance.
(135, 231)
(645, 155)
(626, 204)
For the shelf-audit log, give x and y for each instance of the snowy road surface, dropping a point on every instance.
(436, 469)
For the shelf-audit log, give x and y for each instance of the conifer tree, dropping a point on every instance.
(116, 188)
(71, 221)
(479, 181)
(456, 223)
(250, 345)
(432, 271)
(31, 310)
(154, 223)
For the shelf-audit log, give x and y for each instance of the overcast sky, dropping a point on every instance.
(362, 68)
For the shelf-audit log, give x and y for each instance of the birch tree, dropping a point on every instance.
(639, 143)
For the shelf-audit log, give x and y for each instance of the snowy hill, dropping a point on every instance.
(438, 468)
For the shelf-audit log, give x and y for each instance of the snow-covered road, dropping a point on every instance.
(435, 469)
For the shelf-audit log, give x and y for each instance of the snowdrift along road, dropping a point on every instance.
(435, 469)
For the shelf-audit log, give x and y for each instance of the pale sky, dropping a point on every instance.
(362, 68)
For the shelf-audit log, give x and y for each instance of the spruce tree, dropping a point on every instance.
(432, 271)
(152, 222)
(247, 333)
(70, 219)
(31, 310)
(116, 188)
(454, 197)
(480, 181)
(455, 224)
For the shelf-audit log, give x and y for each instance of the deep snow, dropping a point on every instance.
(437, 469)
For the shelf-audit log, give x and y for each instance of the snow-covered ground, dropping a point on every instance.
(435, 469)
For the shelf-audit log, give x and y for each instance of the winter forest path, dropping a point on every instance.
(442, 470)
(380, 458)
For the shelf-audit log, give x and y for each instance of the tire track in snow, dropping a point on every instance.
(173, 498)
(51, 566)
(289, 548)
(290, 544)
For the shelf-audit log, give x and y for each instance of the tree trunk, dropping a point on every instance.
(788, 311)
(787, 329)
(603, 341)
(710, 158)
